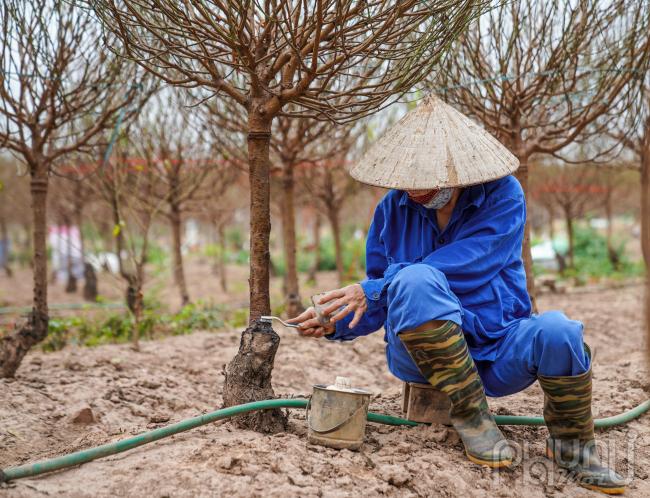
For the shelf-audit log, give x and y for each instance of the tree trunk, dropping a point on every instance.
(131, 290)
(561, 261)
(248, 378)
(90, 290)
(71, 285)
(611, 250)
(568, 220)
(248, 375)
(179, 270)
(223, 277)
(27, 246)
(131, 295)
(526, 255)
(4, 240)
(333, 217)
(260, 216)
(138, 306)
(645, 218)
(14, 346)
(313, 271)
(118, 236)
(291, 286)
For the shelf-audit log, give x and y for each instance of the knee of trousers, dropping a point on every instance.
(556, 334)
(420, 293)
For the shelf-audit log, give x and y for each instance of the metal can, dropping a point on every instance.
(337, 416)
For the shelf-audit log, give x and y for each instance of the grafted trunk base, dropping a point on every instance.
(14, 346)
(248, 379)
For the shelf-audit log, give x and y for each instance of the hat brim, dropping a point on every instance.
(434, 146)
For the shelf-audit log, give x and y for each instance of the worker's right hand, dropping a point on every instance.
(310, 326)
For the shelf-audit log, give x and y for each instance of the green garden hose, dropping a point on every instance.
(83, 456)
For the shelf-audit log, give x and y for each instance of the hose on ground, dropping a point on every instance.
(83, 456)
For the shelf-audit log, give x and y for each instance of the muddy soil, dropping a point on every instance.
(168, 380)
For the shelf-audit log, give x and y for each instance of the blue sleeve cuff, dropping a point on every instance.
(343, 332)
(375, 292)
(373, 318)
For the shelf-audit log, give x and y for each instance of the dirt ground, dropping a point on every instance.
(179, 377)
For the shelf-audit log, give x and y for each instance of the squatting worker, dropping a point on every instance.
(446, 280)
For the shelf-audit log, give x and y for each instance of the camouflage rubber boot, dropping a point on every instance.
(567, 413)
(441, 354)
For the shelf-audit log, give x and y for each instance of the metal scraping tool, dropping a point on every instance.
(269, 319)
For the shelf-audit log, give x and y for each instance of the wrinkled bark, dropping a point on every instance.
(248, 375)
(179, 270)
(291, 286)
(526, 255)
(248, 378)
(14, 346)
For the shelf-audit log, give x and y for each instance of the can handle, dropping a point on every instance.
(337, 426)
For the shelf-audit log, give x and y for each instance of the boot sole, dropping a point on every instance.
(490, 463)
(607, 491)
(593, 487)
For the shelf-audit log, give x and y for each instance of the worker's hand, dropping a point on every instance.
(310, 326)
(350, 299)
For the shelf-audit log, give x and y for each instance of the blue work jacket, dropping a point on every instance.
(479, 252)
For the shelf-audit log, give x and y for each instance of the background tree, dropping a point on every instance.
(298, 144)
(59, 91)
(542, 75)
(180, 164)
(573, 189)
(637, 143)
(338, 60)
(330, 185)
(617, 181)
(61, 209)
(126, 185)
(70, 199)
(5, 241)
(14, 209)
(218, 211)
(315, 245)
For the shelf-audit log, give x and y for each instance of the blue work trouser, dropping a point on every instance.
(545, 344)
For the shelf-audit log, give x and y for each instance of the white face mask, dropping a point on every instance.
(441, 199)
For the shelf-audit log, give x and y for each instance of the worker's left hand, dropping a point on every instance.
(309, 325)
(350, 299)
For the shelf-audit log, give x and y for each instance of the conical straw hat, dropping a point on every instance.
(431, 147)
